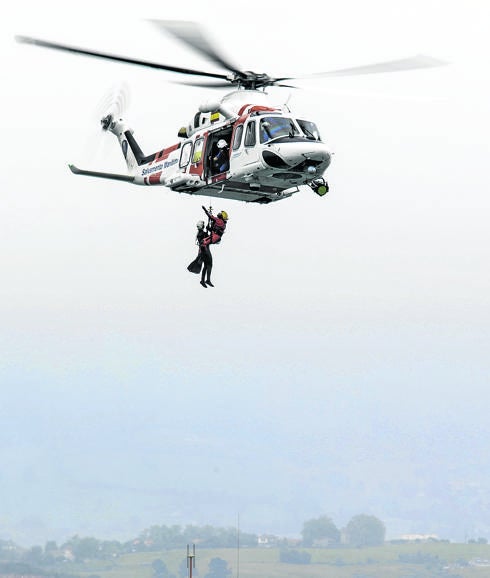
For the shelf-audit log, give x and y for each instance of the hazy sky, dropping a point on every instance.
(340, 366)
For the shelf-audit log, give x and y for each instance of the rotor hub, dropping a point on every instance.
(250, 80)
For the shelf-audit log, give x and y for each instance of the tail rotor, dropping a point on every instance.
(113, 104)
(100, 145)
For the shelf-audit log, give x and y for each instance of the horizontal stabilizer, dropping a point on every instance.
(113, 176)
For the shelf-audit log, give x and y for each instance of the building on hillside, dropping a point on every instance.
(419, 537)
(267, 540)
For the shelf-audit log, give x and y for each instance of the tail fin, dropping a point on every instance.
(132, 152)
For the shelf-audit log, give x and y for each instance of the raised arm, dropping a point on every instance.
(210, 216)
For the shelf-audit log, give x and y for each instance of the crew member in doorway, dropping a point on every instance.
(221, 160)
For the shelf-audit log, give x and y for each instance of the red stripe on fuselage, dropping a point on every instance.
(155, 178)
(163, 154)
(256, 108)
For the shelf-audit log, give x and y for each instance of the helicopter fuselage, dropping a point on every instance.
(269, 154)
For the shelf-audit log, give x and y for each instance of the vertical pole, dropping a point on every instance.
(191, 559)
(238, 548)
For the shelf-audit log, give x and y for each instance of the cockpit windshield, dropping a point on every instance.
(272, 127)
(309, 129)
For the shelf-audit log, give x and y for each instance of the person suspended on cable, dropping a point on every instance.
(216, 227)
(207, 266)
(205, 256)
(196, 265)
(203, 263)
(201, 233)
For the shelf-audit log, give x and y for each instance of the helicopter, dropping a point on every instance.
(243, 147)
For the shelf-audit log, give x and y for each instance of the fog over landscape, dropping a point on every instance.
(340, 366)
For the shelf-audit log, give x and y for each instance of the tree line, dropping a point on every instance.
(362, 530)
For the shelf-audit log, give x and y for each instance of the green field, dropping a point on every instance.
(435, 559)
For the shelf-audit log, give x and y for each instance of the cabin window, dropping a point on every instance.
(309, 129)
(250, 139)
(185, 154)
(272, 127)
(237, 139)
(197, 154)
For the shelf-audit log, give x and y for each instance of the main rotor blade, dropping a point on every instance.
(76, 50)
(190, 34)
(217, 84)
(412, 63)
(203, 84)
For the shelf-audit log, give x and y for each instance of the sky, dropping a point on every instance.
(339, 366)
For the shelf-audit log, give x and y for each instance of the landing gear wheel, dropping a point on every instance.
(319, 186)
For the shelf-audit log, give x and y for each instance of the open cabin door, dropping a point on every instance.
(217, 158)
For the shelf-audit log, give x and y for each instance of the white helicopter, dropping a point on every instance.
(242, 147)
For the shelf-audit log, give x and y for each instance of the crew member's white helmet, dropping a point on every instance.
(200, 224)
(222, 143)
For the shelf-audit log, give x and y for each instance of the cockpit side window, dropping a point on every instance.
(309, 129)
(250, 138)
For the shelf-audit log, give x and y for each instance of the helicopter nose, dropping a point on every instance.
(328, 158)
(312, 165)
(310, 158)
